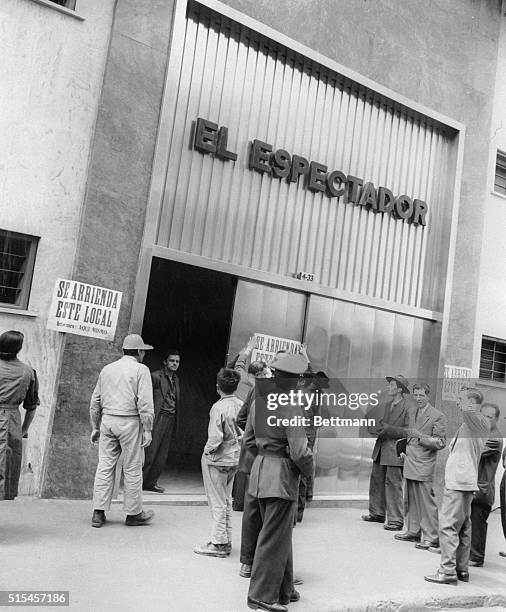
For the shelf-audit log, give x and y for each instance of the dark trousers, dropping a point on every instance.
(250, 528)
(239, 490)
(385, 493)
(502, 496)
(272, 572)
(479, 517)
(158, 451)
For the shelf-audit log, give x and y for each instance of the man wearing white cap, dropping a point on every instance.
(121, 411)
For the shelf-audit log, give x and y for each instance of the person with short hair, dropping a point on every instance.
(167, 399)
(18, 385)
(461, 480)
(385, 485)
(483, 500)
(426, 436)
(219, 463)
(121, 413)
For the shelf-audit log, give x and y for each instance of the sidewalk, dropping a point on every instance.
(346, 564)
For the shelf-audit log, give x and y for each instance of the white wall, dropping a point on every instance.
(491, 316)
(51, 70)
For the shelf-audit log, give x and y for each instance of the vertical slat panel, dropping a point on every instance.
(223, 210)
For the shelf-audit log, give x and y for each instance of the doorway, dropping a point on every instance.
(190, 309)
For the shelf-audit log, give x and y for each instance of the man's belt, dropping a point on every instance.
(8, 406)
(279, 454)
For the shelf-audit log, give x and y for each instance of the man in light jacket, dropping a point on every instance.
(484, 497)
(121, 412)
(461, 480)
(219, 463)
(427, 436)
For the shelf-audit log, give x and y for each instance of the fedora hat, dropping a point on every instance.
(401, 380)
(292, 364)
(134, 342)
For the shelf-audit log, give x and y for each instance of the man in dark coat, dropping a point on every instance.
(483, 499)
(166, 397)
(282, 456)
(385, 486)
(427, 436)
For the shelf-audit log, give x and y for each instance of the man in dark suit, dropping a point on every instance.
(385, 485)
(426, 436)
(166, 397)
(483, 499)
(282, 456)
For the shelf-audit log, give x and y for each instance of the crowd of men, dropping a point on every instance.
(401, 484)
(133, 414)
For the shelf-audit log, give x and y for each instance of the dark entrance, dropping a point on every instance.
(190, 309)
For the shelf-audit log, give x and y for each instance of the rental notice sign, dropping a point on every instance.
(85, 310)
(266, 347)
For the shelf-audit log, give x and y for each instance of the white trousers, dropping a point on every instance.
(218, 482)
(119, 434)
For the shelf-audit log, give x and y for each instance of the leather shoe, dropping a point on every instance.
(441, 578)
(502, 553)
(211, 550)
(464, 576)
(373, 519)
(435, 549)
(297, 580)
(393, 527)
(407, 537)
(475, 563)
(155, 488)
(294, 596)
(228, 548)
(426, 545)
(98, 518)
(134, 520)
(254, 604)
(245, 570)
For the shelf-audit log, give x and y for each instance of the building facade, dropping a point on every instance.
(310, 172)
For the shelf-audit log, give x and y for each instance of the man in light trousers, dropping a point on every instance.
(219, 463)
(122, 412)
(461, 480)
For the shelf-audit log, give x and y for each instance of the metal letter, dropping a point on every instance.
(221, 149)
(368, 196)
(403, 207)
(353, 184)
(206, 136)
(385, 200)
(332, 178)
(281, 167)
(317, 176)
(300, 165)
(420, 213)
(259, 155)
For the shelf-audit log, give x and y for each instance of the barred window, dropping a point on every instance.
(70, 4)
(493, 360)
(17, 260)
(500, 173)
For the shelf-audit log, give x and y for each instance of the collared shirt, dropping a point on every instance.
(169, 400)
(18, 384)
(124, 389)
(223, 434)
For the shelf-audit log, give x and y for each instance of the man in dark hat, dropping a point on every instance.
(18, 385)
(385, 486)
(282, 455)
